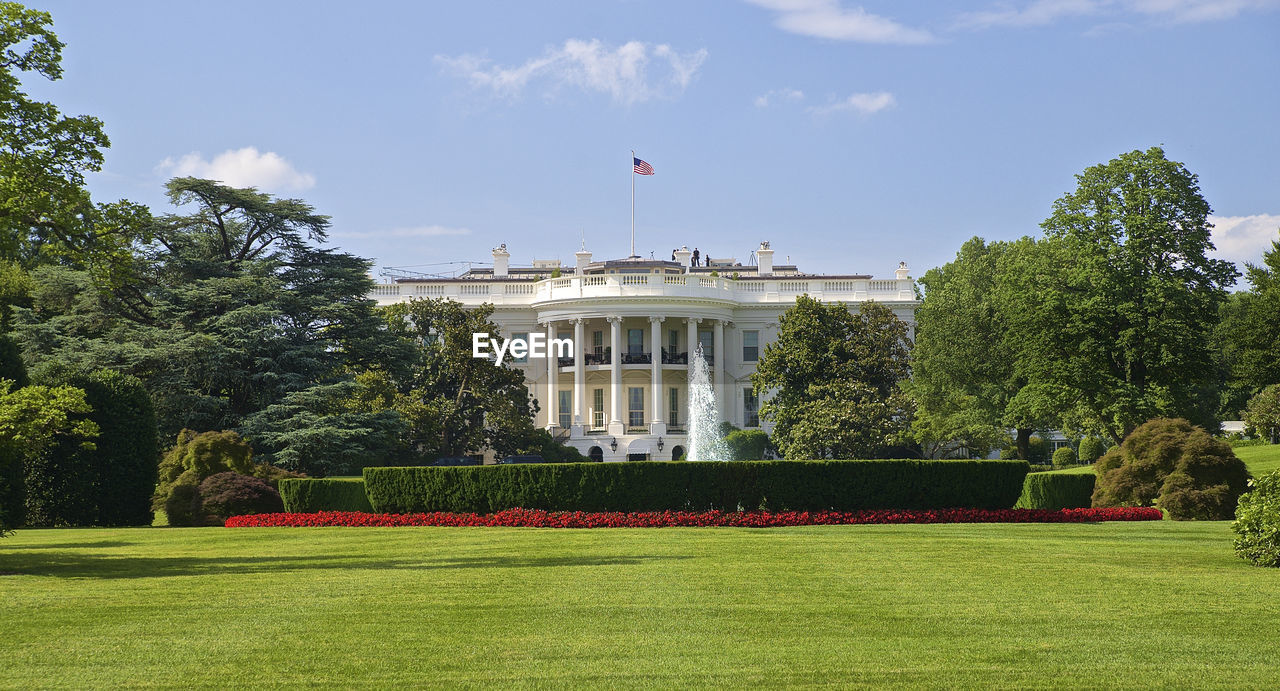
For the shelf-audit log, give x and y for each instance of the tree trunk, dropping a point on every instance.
(1024, 442)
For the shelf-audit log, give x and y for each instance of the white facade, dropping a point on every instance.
(612, 400)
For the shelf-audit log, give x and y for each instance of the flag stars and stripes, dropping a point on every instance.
(641, 167)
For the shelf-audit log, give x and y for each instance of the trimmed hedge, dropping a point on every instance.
(699, 486)
(309, 495)
(1055, 491)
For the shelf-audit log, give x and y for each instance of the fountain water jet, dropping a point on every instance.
(705, 443)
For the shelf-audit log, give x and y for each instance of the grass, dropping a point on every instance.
(1115, 604)
(1259, 459)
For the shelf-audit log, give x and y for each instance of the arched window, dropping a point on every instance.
(596, 454)
(677, 452)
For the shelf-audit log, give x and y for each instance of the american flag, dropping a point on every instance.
(641, 167)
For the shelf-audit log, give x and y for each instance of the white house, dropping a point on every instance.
(623, 393)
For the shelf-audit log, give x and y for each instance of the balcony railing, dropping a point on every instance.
(781, 289)
(637, 358)
(670, 358)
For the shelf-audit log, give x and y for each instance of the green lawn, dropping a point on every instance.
(1260, 460)
(1115, 604)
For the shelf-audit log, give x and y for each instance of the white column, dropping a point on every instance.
(717, 380)
(579, 380)
(656, 425)
(615, 376)
(553, 373)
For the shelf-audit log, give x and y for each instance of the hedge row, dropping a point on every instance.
(309, 495)
(699, 486)
(1055, 491)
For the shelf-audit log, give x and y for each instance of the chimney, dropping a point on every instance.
(500, 259)
(584, 258)
(764, 260)
(683, 256)
(901, 272)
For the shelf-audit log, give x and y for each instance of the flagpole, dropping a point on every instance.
(633, 202)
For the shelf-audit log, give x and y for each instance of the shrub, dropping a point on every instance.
(1057, 491)
(196, 457)
(1257, 524)
(699, 486)
(748, 444)
(1064, 456)
(1038, 451)
(231, 494)
(123, 466)
(309, 495)
(1262, 414)
(1175, 466)
(1091, 449)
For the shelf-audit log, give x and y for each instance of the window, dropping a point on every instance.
(707, 340)
(520, 337)
(673, 407)
(635, 407)
(597, 343)
(673, 342)
(750, 409)
(566, 408)
(597, 408)
(750, 346)
(635, 341)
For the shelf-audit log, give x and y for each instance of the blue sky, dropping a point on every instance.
(851, 135)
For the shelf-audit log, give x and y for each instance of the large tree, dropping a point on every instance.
(242, 308)
(1114, 310)
(46, 214)
(454, 404)
(1249, 335)
(832, 381)
(964, 373)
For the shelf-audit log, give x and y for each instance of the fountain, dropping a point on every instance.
(705, 443)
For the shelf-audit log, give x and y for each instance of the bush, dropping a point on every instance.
(123, 466)
(196, 457)
(699, 486)
(1057, 491)
(59, 485)
(1091, 449)
(1038, 451)
(1175, 466)
(748, 445)
(1257, 524)
(1064, 456)
(231, 494)
(1262, 414)
(309, 495)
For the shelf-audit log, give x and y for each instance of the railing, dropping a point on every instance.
(674, 358)
(637, 358)
(780, 289)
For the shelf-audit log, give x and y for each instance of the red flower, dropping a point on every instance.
(533, 518)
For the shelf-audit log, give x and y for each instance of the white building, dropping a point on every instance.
(614, 400)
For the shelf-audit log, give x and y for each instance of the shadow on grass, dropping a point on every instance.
(72, 565)
(99, 544)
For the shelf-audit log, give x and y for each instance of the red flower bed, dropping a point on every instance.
(526, 518)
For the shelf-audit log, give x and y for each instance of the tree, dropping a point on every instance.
(1263, 414)
(1113, 312)
(122, 465)
(454, 404)
(831, 381)
(1248, 336)
(34, 420)
(964, 373)
(241, 309)
(46, 215)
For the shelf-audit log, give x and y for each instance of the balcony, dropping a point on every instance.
(672, 358)
(637, 358)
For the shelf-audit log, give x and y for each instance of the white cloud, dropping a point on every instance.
(778, 96)
(1038, 13)
(828, 19)
(1044, 12)
(621, 72)
(1244, 238)
(401, 233)
(860, 103)
(245, 167)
